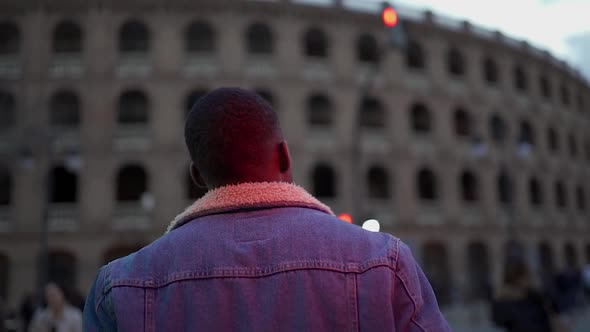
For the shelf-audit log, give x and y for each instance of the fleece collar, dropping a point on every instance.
(248, 196)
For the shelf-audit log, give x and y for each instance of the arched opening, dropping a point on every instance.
(131, 183)
(199, 37)
(520, 79)
(498, 129)
(259, 39)
(64, 110)
(436, 267)
(565, 94)
(504, 188)
(67, 38)
(478, 265)
(560, 195)
(469, 187)
(324, 181)
(7, 110)
(490, 71)
(526, 135)
(415, 55)
(546, 264)
(552, 140)
(427, 186)
(372, 114)
(573, 145)
(581, 198)
(455, 62)
(421, 118)
(367, 49)
(545, 87)
(5, 187)
(535, 192)
(316, 43)
(62, 270)
(9, 39)
(134, 37)
(378, 183)
(133, 108)
(571, 256)
(462, 123)
(65, 185)
(4, 276)
(319, 111)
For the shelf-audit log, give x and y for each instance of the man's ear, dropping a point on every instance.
(284, 157)
(196, 176)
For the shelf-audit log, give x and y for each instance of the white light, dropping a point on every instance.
(371, 225)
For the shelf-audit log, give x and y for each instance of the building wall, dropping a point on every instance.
(167, 74)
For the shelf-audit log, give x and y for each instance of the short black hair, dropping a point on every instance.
(227, 130)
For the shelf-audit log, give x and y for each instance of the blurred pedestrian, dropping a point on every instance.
(27, 310)
(58, 316)
(517, 306)
(258, 253)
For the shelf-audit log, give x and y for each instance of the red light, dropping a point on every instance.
(389, 16)
(346, 217)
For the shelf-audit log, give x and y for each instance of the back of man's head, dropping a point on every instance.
(232, 135)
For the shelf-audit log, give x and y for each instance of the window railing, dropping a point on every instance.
(63, 217)
(131, 216)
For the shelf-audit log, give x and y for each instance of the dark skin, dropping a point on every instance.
(276, 167)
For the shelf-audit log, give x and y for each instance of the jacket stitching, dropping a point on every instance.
(401, 276)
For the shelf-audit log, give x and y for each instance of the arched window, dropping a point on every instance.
(415, 55)
(498, 129)
(67, 38)
(490, 70)
(7, 110)
(120, 251)
(546, 262)
(62, 270)
(367, 49)
(134, 37)
(324, 181)
(573, 145)
(535, 192)
(421, 119)
(9, 39)
(378, 182)
(462, 123)
(64, 109)
(5, 187)
(4, 275)
(259, 39)
(571, 256)
(581, 198)
(372, 113)
(526, 135)
(565, 94)
(504, 188)
(478, 265)
(427, 186)
(513, 250)
(193, 192)
(552, 139)
(316, 43)
(545, 87)
(587, 249)
(520, 79)
(469, 187)
(319, 110)
(268, 97)
(199, 38)
(560, 195)
(192, 98)
(455, 62)
(131, 183)
(133, 108)
(65, 185)
(436, 267)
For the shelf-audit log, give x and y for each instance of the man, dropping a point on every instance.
(258, 253)
(59, 316)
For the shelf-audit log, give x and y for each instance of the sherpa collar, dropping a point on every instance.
(248, 196)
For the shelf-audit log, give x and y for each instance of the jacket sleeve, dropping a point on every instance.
(414, 303)
(98, 313)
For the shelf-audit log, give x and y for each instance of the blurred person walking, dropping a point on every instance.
(58, 316)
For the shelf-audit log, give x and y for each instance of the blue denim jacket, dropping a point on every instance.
(277, 266)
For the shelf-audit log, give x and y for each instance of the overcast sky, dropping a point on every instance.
(560, 26)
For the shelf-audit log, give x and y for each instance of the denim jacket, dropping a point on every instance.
(264, 257)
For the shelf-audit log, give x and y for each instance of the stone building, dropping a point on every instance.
(470, 146)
